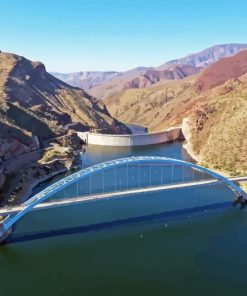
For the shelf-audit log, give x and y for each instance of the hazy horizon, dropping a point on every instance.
(106, 35)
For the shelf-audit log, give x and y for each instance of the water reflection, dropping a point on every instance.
(95, 154)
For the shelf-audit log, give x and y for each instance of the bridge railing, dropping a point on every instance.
(130, 176)
(123, 174)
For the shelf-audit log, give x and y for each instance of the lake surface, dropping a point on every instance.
(198, 253)
(96, 154)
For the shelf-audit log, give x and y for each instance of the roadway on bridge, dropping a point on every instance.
(15, 209)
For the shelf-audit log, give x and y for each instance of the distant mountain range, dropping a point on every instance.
(208, 56)
(90, 79)
(210, 106)
(103, 84)
(141, 79)
(87, 79)
(222, 71)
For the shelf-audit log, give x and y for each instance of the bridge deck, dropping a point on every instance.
(56, 203)
(139, 164)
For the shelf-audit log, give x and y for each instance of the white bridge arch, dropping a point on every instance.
(44, 195)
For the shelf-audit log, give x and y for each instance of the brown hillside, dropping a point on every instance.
(223, 70)
(214, 121)
(28, 85)
(34, 109)
(147, 78)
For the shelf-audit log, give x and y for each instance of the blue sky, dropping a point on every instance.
(74, 35)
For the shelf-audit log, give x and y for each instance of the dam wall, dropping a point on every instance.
(132, 139)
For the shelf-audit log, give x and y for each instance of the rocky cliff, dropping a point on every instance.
(34, 108)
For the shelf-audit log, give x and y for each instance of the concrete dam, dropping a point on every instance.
(132, 139)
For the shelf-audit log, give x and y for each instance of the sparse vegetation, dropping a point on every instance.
(217, 125)
(52, 154)
(244, 186)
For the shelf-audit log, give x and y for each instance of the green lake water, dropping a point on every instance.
(197, 253)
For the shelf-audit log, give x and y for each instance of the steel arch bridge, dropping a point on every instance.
(120, 175)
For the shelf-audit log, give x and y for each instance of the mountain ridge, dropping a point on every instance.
(214, 118)
(208, 56)
(35, 109)
(27, 84)
(140, 76)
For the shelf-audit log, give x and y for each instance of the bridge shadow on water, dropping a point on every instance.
(182, 214)
(108, 195)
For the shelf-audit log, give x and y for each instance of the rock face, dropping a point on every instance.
(215, 113)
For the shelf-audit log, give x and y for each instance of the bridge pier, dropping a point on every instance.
(4, 234)
(241, 200)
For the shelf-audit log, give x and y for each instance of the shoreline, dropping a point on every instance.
(53, 174)
(186, 145)
(189, 151)
(35, 182)
(242, 184)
